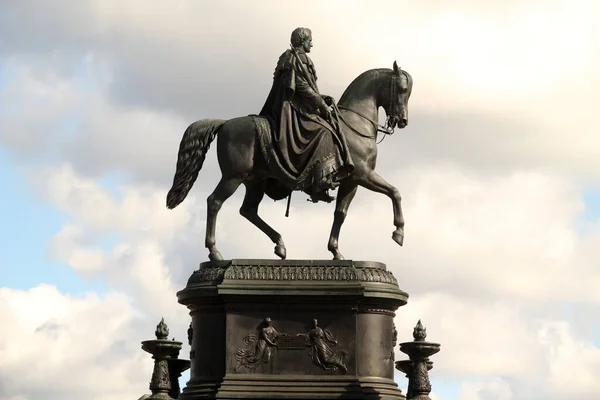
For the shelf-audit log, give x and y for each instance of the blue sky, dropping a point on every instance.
(24, 261)
(591, 196)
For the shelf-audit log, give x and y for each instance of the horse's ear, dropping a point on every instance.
(396, 69)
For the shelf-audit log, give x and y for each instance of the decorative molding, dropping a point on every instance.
(292, 273)
(209, 274)
(376, 311)
(205, 308)
(160, 381)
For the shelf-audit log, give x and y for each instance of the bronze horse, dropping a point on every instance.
(241, 161)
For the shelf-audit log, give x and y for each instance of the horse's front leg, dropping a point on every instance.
(376, 183)
(346, 193)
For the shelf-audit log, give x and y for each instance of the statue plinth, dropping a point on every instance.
(301, 329)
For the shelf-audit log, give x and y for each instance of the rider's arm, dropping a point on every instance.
(304, 90)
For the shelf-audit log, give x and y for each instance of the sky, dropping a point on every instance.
(498, 169)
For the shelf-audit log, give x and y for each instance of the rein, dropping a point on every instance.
(380, 128)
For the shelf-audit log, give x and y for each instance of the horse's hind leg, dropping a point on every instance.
(346, 193)
(223, 191)
(255, 191)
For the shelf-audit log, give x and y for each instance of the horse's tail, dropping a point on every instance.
(192, 152)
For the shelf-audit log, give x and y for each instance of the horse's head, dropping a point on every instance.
(381, 87)
(397, 107)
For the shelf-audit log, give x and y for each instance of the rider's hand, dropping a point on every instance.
(324, 111)
(330, 101)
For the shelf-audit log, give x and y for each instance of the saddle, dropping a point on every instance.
(274, 188)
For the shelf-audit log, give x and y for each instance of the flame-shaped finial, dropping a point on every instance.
(162, 330)
(420, 332)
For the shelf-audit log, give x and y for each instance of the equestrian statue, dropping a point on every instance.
(300, 141)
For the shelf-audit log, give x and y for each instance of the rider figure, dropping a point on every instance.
(307, 142)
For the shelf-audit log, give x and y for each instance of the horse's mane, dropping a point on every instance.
(367, 77)
(363, 78)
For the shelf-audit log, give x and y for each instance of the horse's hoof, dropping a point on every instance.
(280, 251)
(338, 256)
(215, 256)
(398, 237)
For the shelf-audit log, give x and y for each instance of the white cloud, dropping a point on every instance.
(520, 80)
(48, 337)
(496, 389)
(501, 351)
(474, 335)
(572, 362)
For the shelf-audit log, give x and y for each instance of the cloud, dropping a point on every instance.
(499, 350)
(155, 71)
(502, 132)
(145, 229)
(48, 337)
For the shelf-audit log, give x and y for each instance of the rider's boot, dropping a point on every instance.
(321, 195)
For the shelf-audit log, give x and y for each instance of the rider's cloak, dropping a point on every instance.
(311, 152)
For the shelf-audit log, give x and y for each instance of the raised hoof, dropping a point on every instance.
(280, 251)
(398, 237)
(215, 256)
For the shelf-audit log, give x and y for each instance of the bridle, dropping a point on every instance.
(392, 113)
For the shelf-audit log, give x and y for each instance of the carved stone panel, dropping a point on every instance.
(304, 348)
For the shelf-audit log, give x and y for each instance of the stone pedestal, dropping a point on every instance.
(292, 330)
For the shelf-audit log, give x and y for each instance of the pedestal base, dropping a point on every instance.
(292, 330)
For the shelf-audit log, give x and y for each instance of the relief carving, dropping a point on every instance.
(257, 348)
(320, 343)
(190, 333)
(321, 349)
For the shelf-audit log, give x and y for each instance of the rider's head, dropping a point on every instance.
(302, 37)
